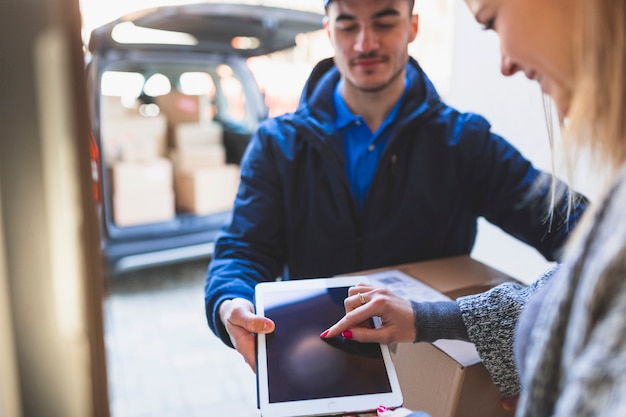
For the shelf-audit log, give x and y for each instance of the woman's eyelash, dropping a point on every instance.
(489, 24)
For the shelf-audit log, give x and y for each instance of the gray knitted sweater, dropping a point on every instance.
(574, 361)
(488, 320)
(491, 319)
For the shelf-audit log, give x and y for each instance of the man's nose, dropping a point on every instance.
(367, 41)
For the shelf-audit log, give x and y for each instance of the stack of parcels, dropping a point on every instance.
(128, 136)
(135, 149)
(185, 108)
(142, 192)
(203, 182)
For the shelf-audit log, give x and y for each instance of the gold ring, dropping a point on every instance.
(361, 298)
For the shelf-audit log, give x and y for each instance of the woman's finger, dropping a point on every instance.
(356, 300)
(360, 288)
(353, 318)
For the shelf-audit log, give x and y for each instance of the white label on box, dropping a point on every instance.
(406, 286)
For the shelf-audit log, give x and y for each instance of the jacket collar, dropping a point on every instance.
(317, 96)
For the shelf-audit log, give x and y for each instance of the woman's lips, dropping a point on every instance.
(532, 75)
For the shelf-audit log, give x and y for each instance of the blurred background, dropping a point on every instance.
(463, 62)
(161, 358)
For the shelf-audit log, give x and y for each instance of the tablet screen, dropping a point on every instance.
(298, 366)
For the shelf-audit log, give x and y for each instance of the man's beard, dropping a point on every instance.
(379, 88)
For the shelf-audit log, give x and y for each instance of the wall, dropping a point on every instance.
(52, 356)
(514, 107)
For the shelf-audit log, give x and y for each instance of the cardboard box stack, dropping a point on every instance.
(184, 108)
(134, 149)
(179, 108)
(197, 145)
(128, 136)
(207, 190)
(142, 191)
(203, 182)
(445, 378)
(173, 161)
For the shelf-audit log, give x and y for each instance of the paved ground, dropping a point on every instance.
(163, 361)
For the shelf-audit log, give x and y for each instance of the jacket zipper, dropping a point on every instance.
(356, 215)
(392, 174)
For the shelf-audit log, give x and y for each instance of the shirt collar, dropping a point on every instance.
(343, 115)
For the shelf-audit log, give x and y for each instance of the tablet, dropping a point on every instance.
(300, 374)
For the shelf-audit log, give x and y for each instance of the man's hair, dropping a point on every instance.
(411, 3)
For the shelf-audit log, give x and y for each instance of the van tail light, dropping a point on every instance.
(95, 167)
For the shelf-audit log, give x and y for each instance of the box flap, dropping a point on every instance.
(463, 352)
(452, 275)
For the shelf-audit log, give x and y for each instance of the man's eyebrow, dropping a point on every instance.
(377, 15)
(344, 16)
(386, 12)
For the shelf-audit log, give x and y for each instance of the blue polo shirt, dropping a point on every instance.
(362, 147)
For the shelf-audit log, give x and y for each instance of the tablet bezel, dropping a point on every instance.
(326, 406)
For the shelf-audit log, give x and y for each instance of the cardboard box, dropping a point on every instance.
(447, 378)
(181, 108)
(147, 206)
(207, 190)
(192, 135)
(114, 107)
(198, 157)
(133, 177)
(133, 138)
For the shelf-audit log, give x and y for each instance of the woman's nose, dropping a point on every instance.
(507, 66)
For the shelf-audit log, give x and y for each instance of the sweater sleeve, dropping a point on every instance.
(491, 318)
(438, 320)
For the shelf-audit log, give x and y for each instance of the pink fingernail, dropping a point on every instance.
(382, 409)
(347, 334)
(324, 334)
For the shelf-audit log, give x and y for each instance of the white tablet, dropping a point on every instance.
(300, 374)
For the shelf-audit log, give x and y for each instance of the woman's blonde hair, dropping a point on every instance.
(597, 116)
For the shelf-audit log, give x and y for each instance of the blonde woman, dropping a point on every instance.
(570, 339)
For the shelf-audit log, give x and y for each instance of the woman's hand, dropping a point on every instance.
(510, 403)
(363, 303)
(399, 412)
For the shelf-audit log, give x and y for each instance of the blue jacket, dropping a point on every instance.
(295, 216)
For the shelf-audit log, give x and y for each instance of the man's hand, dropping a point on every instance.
(241, 323)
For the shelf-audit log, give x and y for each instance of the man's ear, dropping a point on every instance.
(326, 23)
(414, 27)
